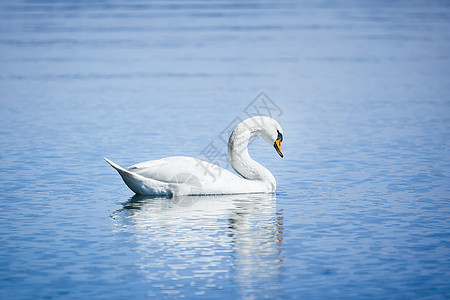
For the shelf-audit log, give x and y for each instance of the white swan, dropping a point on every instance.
(180, 175)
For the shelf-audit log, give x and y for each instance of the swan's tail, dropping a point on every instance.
(140, 184)
(115, 166)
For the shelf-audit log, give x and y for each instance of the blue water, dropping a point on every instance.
(361, 90)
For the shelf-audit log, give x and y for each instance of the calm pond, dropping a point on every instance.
(361, 90)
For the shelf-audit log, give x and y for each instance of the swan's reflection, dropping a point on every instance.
(207, 242)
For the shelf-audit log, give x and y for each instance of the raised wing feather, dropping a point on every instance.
(169, 169)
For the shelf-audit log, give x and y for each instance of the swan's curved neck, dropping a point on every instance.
(240, 159)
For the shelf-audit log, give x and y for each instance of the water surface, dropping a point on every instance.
(361, 90)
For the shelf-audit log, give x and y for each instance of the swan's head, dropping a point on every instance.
(272, 133)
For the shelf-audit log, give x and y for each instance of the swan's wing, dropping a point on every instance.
(170, 169)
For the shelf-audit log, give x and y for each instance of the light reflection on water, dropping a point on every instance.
(188, 243)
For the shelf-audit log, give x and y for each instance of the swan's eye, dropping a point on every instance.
(280, 136)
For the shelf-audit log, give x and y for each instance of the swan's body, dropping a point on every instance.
(180, 175)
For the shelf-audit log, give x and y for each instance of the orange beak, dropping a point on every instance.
(278, 147)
